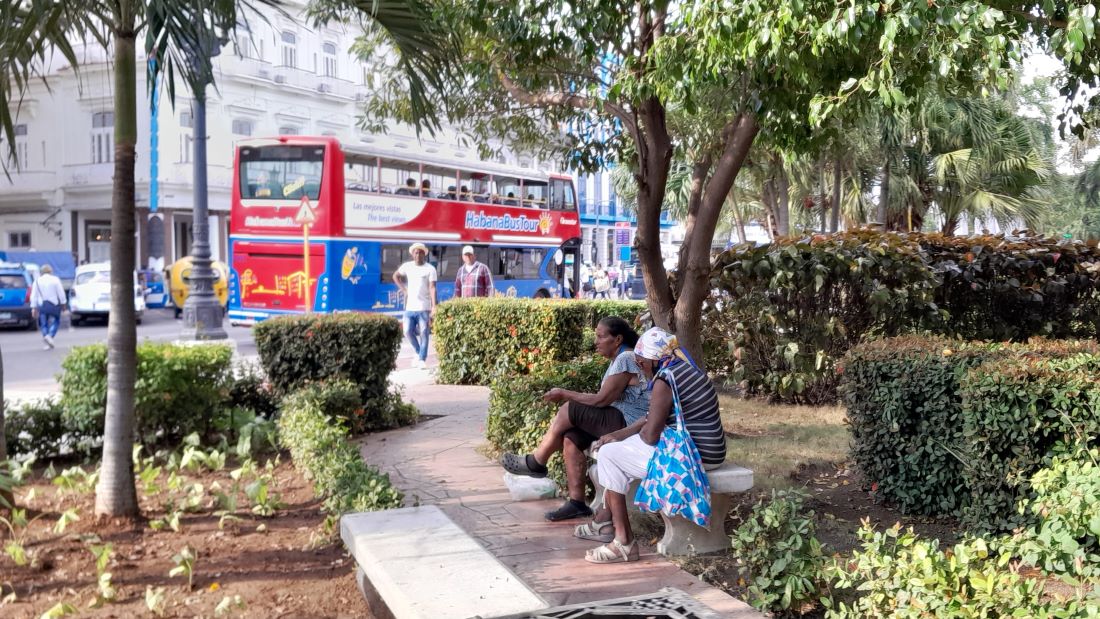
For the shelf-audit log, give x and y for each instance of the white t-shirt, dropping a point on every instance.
(419, 278)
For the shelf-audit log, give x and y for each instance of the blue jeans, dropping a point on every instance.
(413, 325)
(48, 323)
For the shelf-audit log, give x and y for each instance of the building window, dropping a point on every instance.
(103, 137)
(290, 49)
(242, 127)
(288, 130)
(19, 240)
(21, 150)
(329, 50)
(187, 147)
(187, 120)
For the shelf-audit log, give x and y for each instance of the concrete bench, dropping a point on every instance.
(683, 537)
(416, 563)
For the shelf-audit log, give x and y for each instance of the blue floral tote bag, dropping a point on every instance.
(675, 483)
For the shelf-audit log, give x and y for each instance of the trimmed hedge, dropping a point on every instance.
(318, 444)
(518, 416)
(478, 339)
(784, 313)
(947, 427)
(179, 390)
(630, 311)
(38, 428)
(362, 348)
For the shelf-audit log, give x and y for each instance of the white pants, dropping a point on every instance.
(623, 461)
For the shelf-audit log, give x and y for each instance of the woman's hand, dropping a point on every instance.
(554, 395)
(603, 440)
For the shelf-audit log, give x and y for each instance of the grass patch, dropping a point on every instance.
(777, 441)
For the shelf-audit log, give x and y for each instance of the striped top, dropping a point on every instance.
(700, 406)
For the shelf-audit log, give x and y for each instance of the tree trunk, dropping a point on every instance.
(884, 196)
(654, 159)
(116, 494)
(737, 221)
(7, 498)
(824, 203)
(949, 225)
(783, 199)
(838, 189)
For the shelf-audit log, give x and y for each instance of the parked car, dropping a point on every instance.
(90, 296)
(179, 283)
(15, 295)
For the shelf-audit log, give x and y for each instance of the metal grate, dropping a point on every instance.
(668, 603)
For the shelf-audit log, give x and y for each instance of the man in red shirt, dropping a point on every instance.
(474, 278)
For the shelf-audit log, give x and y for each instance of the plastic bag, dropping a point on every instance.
(524, 488)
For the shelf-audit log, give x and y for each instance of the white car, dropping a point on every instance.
(90, 295)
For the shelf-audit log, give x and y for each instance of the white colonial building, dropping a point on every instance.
(282, 78)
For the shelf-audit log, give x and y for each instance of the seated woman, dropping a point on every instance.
(624, 454)
(584, 417)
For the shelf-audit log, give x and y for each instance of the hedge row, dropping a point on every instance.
(179, 390)
(946, 427)
(479, 339)
(318, 444)
(518, 417)
(362, 348)
(784, 313)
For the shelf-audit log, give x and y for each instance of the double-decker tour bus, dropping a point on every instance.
(367, 205)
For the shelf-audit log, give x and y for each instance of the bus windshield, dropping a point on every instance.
(281, 172)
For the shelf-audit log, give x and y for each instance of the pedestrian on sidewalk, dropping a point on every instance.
(585, 417)
(47, 302)
(624, 455)
(474, 278)
(416, 279)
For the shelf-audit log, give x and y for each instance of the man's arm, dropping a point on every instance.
(399, 279)
(431, 290)
(488, 279)
(458, 283)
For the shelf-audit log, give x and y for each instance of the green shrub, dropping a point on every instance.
(479, 339)
(785, 313)
(518, 417)
(630, 311)
(179, 389)
(923, 446)
(318, 444)
(778, 548)
(1016, 415)
(897, 574)
(250, 390)
(37, 428)
(1066, 537)
(362, 348)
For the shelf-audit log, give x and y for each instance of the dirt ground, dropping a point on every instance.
(282, 566)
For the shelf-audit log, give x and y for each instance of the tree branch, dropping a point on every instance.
(565, 99)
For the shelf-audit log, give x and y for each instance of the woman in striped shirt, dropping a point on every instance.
(624, 455)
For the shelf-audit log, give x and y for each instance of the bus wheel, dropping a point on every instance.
(542, 294)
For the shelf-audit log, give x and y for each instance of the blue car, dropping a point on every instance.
(15, 296)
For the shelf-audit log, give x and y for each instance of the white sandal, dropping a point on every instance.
(591, 531)
(613, 552)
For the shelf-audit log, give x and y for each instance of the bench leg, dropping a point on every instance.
(686, 538)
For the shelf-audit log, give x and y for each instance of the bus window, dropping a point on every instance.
(507, 191)
(480, 187)
(362, 173)
(561, 195)
(441, 182)
(281, 172)
(447, 259)
(534, 194)
(392, 258)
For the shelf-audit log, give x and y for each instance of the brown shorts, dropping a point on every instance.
(592, 422)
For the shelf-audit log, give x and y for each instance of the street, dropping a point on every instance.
(30, 369)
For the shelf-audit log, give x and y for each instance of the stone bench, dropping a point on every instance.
(683, 537)
(415, 562)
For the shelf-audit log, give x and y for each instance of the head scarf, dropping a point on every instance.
(656, 344)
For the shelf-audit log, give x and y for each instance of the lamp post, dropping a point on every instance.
(202, 314)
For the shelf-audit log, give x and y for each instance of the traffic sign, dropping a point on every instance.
(305, 215)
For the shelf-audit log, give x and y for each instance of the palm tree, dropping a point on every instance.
(174, 30)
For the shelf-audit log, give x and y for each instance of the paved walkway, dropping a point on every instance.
(436, 462)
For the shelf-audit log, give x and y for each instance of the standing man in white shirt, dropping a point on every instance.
(416, 279)
(47, 301)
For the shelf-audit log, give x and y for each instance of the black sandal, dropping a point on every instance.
(517, 465)
(569, 509)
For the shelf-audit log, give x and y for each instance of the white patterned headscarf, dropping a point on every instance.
(656, 344)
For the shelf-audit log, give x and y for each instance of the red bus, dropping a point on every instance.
(369, 204)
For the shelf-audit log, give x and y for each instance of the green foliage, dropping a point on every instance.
(518, 416)
(1066, 537)
(185, 565)
(786, 312)
(1017, 414)
(479, 339)
(249, 390)
(179, 390)
(318, 443)
(947, 427)
(362, 348)
(778, 548)
(630, 311)
(39, 428)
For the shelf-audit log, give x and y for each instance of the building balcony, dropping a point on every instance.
(32, 181)
(281, 76)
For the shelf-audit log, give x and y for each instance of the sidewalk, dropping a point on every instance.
(436, 462)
